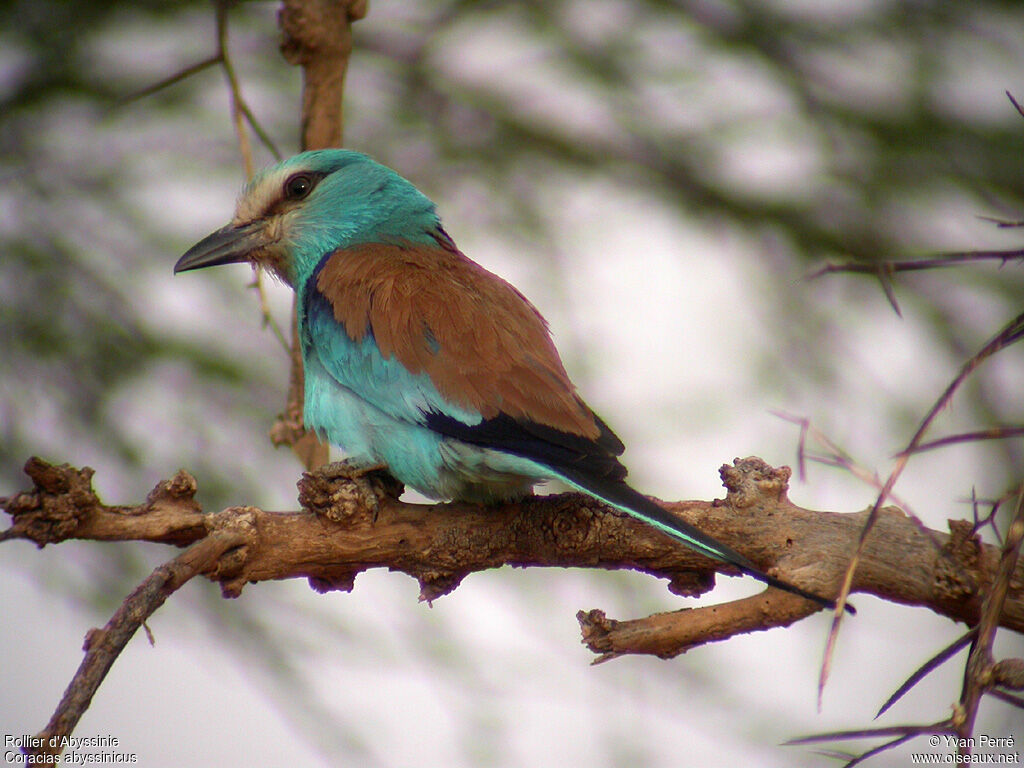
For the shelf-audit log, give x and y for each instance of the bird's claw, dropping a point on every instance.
(361, 476)
(366, 487)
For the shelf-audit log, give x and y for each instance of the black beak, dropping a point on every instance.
(228, 245)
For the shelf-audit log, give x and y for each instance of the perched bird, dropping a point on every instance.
(418, 358)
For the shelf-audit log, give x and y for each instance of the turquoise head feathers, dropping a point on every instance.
(291, 214)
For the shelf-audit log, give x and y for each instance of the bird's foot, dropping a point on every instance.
(364, 487)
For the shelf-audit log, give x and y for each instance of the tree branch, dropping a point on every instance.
(103, 646)
(344, 529)
(335, 537)
(316, 35)
(979, 675)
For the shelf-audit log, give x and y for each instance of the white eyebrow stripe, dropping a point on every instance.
(260, 195)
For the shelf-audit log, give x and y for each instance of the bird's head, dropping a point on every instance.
(294, 213)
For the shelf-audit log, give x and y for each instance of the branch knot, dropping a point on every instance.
(179, 492)
(962, 555)
(753, 479)
(229, 569)
(61, 500)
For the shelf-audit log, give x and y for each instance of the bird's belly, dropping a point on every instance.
(436, 466)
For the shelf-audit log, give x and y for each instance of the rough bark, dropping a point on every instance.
(336, 535)
(316, 35)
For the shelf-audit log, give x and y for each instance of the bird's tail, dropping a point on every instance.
(621, 496)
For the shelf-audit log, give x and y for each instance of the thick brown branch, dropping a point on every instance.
(669, 634)
(335, 537)
(316, 35)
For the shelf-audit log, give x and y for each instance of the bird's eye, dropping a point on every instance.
(298, 186)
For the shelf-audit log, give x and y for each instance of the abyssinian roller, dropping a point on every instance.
(419, 359)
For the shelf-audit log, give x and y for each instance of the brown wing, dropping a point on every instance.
(483, 345)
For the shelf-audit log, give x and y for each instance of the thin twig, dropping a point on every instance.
(1009, 698)
(995, 433)
(268, 320)
(177, 77)
(903, 734)
(837, 457)
(858, 759)
(840, 458)
(240, 114)
(885, 280)
(913, 265)
(977, 676)
(103, 646)
(925, 669)
(259, 130)
(239, 106)
(1011, 333)
(943, 726)
(1003, 223)
(989, 519)
(1014, 102)
(244, 147)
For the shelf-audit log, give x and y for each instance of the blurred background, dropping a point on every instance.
(659, 178)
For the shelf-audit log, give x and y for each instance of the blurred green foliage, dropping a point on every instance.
(834, 130)
(817, 130)
(828, 130)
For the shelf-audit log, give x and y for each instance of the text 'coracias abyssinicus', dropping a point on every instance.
(418, 358)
